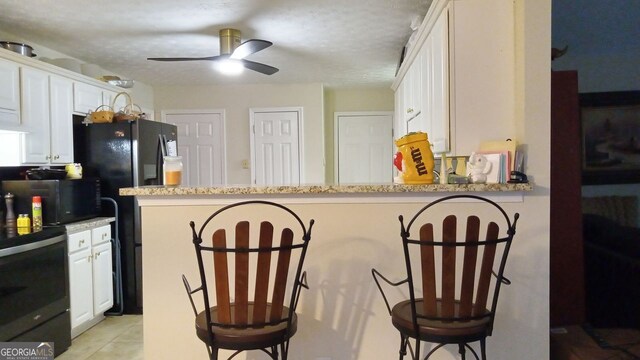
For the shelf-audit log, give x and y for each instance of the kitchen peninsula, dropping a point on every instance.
(356, 229)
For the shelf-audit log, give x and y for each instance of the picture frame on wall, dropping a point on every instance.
(610, 137)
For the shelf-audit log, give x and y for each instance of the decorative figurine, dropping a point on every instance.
(478, 167)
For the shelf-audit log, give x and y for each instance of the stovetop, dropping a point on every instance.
(11, 238)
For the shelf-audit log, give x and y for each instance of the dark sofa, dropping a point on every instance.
(612, 267)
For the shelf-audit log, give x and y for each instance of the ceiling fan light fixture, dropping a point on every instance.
(229, 67)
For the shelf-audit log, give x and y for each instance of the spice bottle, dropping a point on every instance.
(37, 213)
(24, 224)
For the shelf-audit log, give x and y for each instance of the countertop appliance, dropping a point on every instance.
(125, 154)
(63, 201)
(34, 288)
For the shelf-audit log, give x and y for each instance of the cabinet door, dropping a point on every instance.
(399, 125)
(9, 95)
(438, 85)
(61, 101)
(35, 115)
(412, 89)
(415, 84)
(81, 284)
(86, 97)
(102, 278)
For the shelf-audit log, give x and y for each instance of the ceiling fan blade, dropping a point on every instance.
(250, 47)
(261, 68)
(184, 59)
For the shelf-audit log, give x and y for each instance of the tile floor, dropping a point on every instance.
(117, 337)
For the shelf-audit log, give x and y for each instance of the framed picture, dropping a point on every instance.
(610, 137)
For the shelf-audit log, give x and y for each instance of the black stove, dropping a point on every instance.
(34, 287)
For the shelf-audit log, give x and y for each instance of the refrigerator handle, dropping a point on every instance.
(160, 152)
(163, 144)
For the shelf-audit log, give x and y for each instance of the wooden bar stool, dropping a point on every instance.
(459, 300)
(266, 322)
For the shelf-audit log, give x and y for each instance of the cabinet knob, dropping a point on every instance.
(409, 110)
(89, 258)
(97, 254)
(48, 157)
(56, 157)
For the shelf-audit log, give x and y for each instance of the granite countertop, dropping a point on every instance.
(320, 189)
(88, 224)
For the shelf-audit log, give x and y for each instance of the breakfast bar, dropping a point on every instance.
(341, 316)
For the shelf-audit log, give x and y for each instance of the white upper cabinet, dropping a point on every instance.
(47, 117)
(34, 91)
(412, 86)
(435, 79)
(61, 103)
(9, 94)
(466, 49)
(86, 98)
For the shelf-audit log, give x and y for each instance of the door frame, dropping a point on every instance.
(252, 154)
(220, 112)
(336, 139)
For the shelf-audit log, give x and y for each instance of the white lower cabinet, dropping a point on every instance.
(90, 277)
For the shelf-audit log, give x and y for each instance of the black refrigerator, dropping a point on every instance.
(125, 154)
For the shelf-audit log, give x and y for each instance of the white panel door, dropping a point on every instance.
(365, 148)
(276, 147)
(201, 145)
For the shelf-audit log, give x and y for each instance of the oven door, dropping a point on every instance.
(33, 285)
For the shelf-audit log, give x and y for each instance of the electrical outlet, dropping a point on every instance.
(245, 164)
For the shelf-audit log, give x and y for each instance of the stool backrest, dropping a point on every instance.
(238, 258)
(454, 290)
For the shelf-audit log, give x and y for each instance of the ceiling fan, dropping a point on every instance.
(232, 52)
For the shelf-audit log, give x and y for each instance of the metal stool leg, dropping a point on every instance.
(403, 346)
(213, 353)
(462, 351)
(483, 349)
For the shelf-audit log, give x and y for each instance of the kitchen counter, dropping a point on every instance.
(356, 228)
(88, 224)
(322, 189)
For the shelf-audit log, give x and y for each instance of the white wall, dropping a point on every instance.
(236, 101)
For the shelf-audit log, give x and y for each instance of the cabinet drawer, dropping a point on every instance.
(101, 235)
(79, 240)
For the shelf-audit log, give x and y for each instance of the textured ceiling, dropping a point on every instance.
(342, 43)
